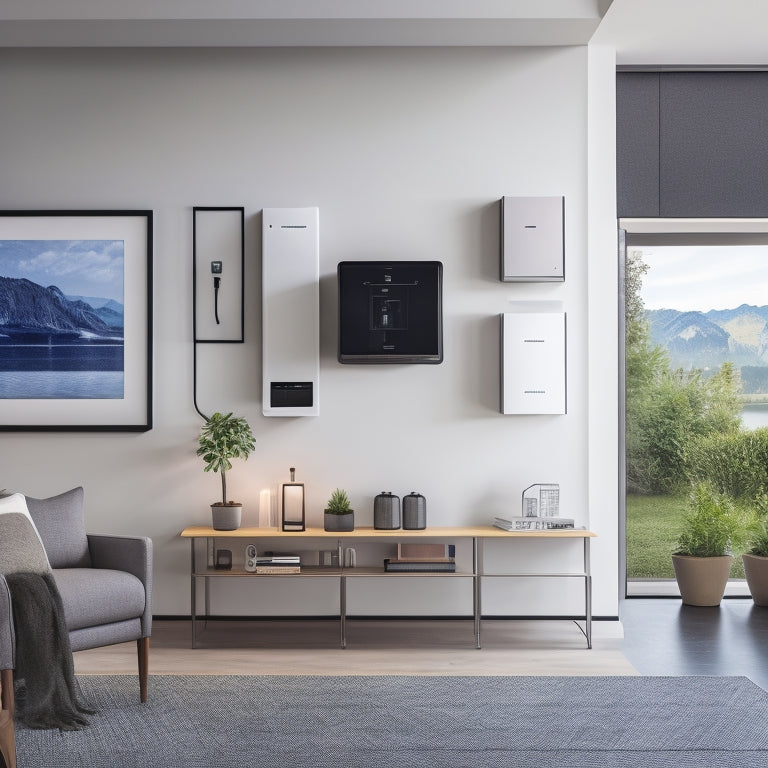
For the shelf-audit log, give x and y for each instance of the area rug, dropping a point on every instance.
(411, 722)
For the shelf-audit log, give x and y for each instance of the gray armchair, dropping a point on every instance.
(106, 590)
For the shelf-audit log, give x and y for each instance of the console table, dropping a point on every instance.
(477, 534)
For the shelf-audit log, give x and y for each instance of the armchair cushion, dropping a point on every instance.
(60, 521)
(94, 596)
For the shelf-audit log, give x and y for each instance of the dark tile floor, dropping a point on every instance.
(664, 637)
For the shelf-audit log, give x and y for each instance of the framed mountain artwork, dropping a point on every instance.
(76, 320)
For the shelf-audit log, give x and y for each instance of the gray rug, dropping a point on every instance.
(412, 722)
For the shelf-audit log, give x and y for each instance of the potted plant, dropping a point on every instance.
(755, 559)
(224, 437)
(339, 515)
(703, 559)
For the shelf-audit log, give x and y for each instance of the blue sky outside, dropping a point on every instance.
(696, 277)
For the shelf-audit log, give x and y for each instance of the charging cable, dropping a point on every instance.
(216, 270)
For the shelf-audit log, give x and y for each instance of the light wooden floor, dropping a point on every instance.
(277, 647)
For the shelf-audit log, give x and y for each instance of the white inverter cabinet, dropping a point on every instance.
(290, 311)
(532, 239)
(533, 363)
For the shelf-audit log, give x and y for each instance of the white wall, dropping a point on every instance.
(406, 152)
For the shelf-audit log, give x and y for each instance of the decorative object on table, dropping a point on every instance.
(267, 516)
(223, 560)
(386, 511)
(540, 511)
(703, 559)
(755, 559)
(339, 515)
(414, 512)
(79, 352)
(250, 558)
(292, 504)
(224, 437)
(541, 500)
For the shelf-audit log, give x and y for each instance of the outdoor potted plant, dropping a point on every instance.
(703, 559)
(755, 559)
(339, 515)
(224, 437)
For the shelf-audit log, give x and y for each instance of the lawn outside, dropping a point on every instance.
(653, 525)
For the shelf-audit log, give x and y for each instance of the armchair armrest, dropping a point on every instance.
(132, 554)
(7, 634)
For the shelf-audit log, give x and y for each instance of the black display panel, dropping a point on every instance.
(390, 312)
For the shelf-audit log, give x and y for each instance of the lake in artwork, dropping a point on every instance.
(61, 319)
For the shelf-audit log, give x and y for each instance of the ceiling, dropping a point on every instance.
(687, 33)
(90, 23)
(675, 33)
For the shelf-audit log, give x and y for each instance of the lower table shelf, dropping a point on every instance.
(477, 535)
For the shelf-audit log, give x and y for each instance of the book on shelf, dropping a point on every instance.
(277, 569)
(278, 560)
(446, 565)
(425, 552)
(533, 523)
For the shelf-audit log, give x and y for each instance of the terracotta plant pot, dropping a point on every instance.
(756, 571)
(226, 517)
(702, 580)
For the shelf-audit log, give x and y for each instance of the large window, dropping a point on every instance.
(696, 379)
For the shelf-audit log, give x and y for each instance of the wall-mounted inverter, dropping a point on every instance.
(533, 363)
(290, 311)
(532, 239)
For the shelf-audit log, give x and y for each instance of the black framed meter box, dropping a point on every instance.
(390, 311)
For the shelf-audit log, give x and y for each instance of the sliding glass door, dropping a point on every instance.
(695, 380)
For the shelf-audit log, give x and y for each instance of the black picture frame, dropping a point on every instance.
(77, 358)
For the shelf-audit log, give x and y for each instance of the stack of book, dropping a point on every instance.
(533, 523)
(416, 558)
(277, 563)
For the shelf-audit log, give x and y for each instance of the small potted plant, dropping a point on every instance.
(339, 515)
(224, 437)
(755, 559)
(703, 559)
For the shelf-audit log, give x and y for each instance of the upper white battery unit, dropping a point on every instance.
(532, 239)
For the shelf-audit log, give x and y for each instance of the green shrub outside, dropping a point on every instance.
(735, 462)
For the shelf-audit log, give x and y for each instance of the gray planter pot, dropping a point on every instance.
(756, 571)
(226, 517)
(702, 580)
(333, 522)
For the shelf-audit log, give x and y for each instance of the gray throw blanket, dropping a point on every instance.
(47, 693)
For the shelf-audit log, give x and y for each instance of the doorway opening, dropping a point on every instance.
(695, 381)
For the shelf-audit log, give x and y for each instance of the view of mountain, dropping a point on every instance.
(705, 340)
(28, 308)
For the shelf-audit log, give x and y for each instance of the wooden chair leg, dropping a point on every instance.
(7, 732)
(142, 645)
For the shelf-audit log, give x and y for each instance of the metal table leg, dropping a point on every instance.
(343, 609)
(193, 593)
(477, 570)
(587, 593)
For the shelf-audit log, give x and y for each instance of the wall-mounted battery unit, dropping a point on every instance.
(533, 356)
(532, 239)
(290, 311)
